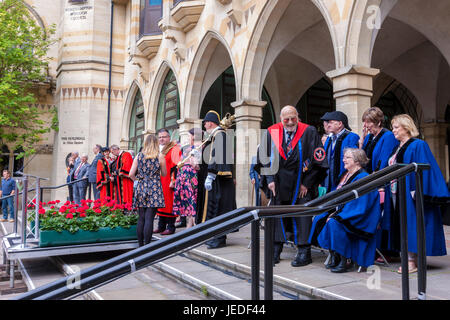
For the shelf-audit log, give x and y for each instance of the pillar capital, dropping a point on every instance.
(248, 110)
(353, 80)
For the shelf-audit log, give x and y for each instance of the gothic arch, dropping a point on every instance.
(132, 91)
(199, 67)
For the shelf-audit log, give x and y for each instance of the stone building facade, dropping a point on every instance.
(168, 62)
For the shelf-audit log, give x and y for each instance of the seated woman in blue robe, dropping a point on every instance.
(435, 193)
(349, 232)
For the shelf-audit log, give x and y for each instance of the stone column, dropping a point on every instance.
(352, 86)
(186, 124)
(248, 123)
(435, 134)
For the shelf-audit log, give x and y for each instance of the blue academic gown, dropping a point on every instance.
(254, 175)
(385, 142)
(352, 231)
(347, 140)
(434, 190)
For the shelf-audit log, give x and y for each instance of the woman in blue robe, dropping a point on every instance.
(378, 144)
(349, 232)
(435, 192)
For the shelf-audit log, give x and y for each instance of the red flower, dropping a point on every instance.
(67, 203)
(41, 211)
(57, 201)
(73, 210)
(97, 211)
(52, 207)
(62, 209)
(69, 216)
(82, 215)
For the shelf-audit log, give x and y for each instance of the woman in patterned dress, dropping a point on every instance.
(147, 167)
(186, 184)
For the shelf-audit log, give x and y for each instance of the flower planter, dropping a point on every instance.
(49, 238)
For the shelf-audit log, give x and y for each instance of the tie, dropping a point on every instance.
(333, 143)
(288, 142)
(78, 170)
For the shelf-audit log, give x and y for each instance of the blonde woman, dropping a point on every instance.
(410, 150)
(147, 168)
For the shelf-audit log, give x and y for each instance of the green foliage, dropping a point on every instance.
(23, 67)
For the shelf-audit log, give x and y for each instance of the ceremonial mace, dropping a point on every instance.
(225, 123)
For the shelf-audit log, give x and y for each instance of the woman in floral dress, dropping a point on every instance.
(147, 167)
(186, 184)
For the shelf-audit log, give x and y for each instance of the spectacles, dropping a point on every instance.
(293, 119)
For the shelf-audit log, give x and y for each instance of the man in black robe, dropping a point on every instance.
(220, 194)
(297, 166)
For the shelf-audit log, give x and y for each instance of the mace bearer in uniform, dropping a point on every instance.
(219, 184)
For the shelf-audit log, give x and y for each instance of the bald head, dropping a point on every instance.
(289, 118)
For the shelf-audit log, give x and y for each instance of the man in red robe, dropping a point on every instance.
(172, 154)
(122, 181)
(104, 183)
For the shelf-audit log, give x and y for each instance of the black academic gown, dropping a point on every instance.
(221, 199)
(305, 165)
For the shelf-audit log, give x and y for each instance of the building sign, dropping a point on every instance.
(78, 12)
(73, 140)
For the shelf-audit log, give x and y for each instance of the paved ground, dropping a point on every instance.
(382, 283)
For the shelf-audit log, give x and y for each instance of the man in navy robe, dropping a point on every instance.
(340, 137)
(296, 168)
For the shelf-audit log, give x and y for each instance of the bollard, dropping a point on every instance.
(421, 247)
(268, 258)
(23, 235)
(403, 237)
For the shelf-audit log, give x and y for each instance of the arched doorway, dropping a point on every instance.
(315, 103)
(223, 92)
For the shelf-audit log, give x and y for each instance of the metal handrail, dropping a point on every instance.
(134, 260)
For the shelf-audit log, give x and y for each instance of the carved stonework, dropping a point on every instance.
(187, 14)
(149, 45)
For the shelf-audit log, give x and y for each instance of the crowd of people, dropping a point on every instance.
(308, 165)
(195, 183)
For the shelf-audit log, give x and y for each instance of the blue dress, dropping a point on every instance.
(378, 149)
(351, 231)
(148, 192)
(434, 189)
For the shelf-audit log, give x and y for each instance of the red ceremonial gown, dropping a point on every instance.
(124, 184)
(104, 183)
(172, 154)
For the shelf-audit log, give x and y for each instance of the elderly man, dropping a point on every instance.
(104, 184)
(297, 166)
(123, 185)
(81, 172)
(172, 154)
(220, 195)
(340, 137)
(92, 176)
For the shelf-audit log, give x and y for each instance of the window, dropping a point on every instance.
(169, 104)
(8, 160)
(151, 13)
(137, 124)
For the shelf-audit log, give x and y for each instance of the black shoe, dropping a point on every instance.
(217, 245)
(335, 258)
(277, 248)
(341, 267)
(303, 257)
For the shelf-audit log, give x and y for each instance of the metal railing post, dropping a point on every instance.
(403, 237)
(16, 207)
(23, 235)
(268, 258)
(36, 211)
(421, 248)
(255, 260)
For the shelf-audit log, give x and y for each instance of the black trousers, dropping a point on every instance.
(145, 225)
(166, 223)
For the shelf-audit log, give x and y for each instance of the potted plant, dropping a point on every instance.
(92, 221)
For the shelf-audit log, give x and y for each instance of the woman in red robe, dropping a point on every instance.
(123, 183)
(104, 183)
